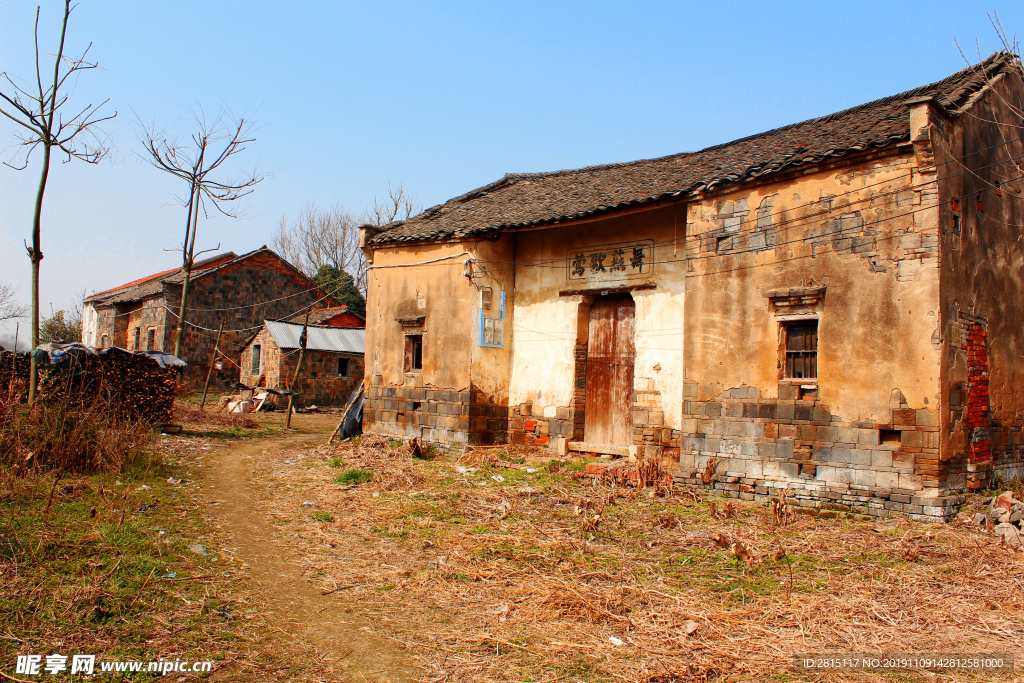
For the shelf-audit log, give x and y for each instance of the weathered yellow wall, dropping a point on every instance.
(545, 331)
(852, 230)
(493, 269)
(436, 290)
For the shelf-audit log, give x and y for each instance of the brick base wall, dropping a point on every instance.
(436, 416)
(551, 427)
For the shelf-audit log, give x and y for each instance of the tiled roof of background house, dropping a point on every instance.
(153, 284)
(525, 199)
(320, 315)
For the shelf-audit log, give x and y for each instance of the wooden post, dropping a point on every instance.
(298, 367)
(213, 359)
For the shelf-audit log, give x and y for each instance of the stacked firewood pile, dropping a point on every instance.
(132, 386)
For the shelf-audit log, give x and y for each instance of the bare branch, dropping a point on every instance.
(201, 166)
(76, 137)
(9, 308)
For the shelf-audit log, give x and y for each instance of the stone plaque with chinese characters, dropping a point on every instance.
(610, 263)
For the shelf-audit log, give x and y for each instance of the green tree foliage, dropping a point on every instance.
(341, 286)
(61, 327)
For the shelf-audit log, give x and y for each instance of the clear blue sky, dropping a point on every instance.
(442, 97)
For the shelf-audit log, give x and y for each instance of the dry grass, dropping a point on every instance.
(211, 417)
(526, 571)
(104, 565)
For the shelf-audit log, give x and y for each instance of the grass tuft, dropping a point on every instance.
(353, 476)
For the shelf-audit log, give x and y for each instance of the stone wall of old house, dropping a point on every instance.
(268, 371)
(145, 316)
(319, 381)
(854, 249)
(227, 294)
(976, 163)
(277, 289)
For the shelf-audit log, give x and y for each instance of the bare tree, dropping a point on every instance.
(399, 205)
(200, 161)
(38, 108)
(9, 308)
(330, 237)
(319, 237)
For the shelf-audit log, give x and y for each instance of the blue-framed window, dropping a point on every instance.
(492, 330)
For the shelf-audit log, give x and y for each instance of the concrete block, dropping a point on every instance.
(790, 470)
(860, 456)
(841, 454)
(909, 481)
(550, 411)
(826, 473)
(881, 458)
(844, 475)
(903, 460)
(864, 478)
(868, 437)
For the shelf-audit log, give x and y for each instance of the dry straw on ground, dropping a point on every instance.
(506, 574)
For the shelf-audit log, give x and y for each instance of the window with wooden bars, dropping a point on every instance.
(255, 368)
(802, 349)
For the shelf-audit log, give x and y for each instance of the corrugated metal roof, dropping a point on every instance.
(340, 339)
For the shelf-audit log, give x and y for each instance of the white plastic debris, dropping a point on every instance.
(615, 641)
(497, 477)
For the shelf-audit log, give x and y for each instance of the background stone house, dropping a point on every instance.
(831, 307)
(331, 369)
(242, 291)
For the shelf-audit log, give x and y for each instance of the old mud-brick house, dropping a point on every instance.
(242, 291)
(332, 366)
(832, 307)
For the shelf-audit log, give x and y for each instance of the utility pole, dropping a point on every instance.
(298, 368)
(213, 359)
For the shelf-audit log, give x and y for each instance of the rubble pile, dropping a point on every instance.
(133, 386)
(1006, 513)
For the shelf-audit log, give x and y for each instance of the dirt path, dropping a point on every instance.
(350, 646)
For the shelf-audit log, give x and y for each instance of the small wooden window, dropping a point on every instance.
(255, 359)
(342, 366)
(802, 350)
(150, 339)
(414, 353)
(138, 339)
(104, 341)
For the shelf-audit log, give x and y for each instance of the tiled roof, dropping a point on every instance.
(339, 339)
(320, 315)
(521, 200)
(153, 284)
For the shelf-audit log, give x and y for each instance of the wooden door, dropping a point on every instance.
(610, 356)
